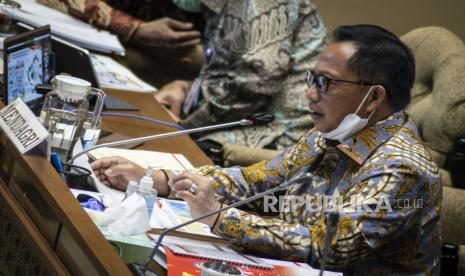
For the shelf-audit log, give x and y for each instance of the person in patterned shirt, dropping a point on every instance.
(256, 52)
(154, 32)
(148, 23)
(365, 155)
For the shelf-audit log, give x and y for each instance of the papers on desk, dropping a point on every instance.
(168, 213)
(167, 161)
(65, 26)
(113, 75)
(184, 255)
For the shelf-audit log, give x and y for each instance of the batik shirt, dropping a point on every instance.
(258, 52)
(388, 195)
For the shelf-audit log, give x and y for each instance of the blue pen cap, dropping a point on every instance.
(56, 161)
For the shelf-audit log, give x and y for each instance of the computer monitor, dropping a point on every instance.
(27, 63)
(69, 58)
(77, 62)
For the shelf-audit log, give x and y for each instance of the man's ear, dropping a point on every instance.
(377, 98)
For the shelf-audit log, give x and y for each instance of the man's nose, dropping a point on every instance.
(312, 94)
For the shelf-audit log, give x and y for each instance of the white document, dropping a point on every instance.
(65, 26)
(83, 161)
(113, 75)
(168, 213)
(167, 161)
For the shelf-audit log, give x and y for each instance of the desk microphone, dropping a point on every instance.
(255, 119)
(141, 270)
(333, 219)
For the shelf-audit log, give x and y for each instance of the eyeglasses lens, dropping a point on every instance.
(320, 81)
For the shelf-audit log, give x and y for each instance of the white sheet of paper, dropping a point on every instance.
(66, 26)
(113, 75)
(167, 161)
(83, 161)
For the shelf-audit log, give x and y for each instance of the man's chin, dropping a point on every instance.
(321, 127)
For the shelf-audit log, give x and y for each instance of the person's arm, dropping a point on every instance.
(359, 231)
(237, 183)
(172, 96)
(166, 33)
(116, 172)
(100, 14)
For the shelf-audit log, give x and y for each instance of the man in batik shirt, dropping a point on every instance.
(364, 153)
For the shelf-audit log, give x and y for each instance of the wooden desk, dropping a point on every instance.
(43, 229)
(149, 107)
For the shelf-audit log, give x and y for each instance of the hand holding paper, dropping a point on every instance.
(116, 172)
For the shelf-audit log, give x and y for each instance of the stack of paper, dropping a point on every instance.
(168, 213)
(199, 251)
(113, 75)
(167, 161)
(65, 26)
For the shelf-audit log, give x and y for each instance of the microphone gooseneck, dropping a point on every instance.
(333, 219)
(141, 270)
(254, 120)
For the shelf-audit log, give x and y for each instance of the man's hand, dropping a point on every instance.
(116, 172)
(166, 33)
(200, 202)
(173, 95)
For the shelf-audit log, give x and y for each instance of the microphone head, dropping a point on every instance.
(258, 119)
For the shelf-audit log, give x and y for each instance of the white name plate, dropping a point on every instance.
(22, 126)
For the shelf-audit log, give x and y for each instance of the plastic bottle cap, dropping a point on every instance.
(132, 182)
(146, 182)
(71, 87)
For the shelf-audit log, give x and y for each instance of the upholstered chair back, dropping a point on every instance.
(438, 96)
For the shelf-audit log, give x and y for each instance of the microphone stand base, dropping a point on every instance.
(138, 270)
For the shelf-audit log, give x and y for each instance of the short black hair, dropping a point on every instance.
(381, 58)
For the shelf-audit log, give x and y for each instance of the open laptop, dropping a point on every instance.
(27, 61)
(77, 62)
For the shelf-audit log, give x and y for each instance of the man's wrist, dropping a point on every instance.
(161, 178)
(214, 224)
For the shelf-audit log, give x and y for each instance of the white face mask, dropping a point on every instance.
(189, 5)
(351, 124)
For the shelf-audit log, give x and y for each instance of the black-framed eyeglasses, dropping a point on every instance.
(322, 82)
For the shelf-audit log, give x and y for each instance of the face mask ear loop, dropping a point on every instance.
(364, 99)
(371, 114)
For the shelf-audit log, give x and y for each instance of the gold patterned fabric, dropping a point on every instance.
(382, 184)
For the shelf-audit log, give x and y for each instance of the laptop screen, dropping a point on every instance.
(26, 64)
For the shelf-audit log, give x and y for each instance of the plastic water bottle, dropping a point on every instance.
(132, 188)
(146, 190)
(67, 115)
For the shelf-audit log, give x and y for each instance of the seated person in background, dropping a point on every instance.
(256, 52)
(156, 41)
(365, 155)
